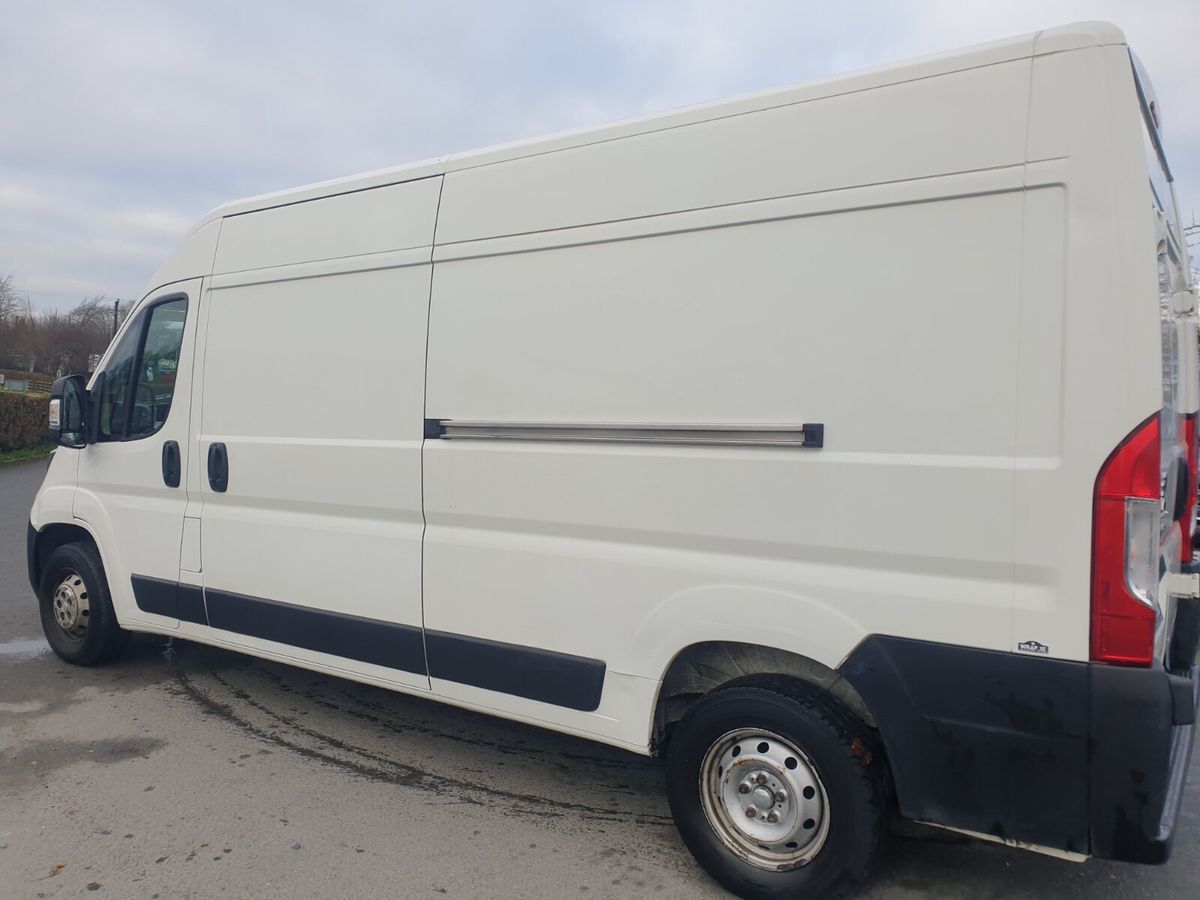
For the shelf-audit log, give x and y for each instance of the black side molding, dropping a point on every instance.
(352, 637)
(575, 682)
(169, 598)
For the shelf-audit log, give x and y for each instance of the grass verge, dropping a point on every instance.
(39, 452)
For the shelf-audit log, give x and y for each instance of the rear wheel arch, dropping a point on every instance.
(699, 669)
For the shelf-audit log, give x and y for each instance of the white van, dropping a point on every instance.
(836, 442)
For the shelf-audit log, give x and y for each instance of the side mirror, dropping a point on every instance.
(68, 411)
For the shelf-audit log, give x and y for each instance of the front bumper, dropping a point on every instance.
(1073, 756)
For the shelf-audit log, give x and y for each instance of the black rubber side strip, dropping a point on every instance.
(190, 600)
(575, 682)
(156, 595)
(372, 641)
(169, 598)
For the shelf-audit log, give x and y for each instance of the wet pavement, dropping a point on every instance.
(188, 771)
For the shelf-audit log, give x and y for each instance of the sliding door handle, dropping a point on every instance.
(218, 467)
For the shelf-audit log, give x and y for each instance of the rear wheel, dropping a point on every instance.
(776, 792)
(76, 608)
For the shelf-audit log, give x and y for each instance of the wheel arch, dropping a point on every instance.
(704, 667)
(52, 536)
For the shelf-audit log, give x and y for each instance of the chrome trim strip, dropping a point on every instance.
(806, 435)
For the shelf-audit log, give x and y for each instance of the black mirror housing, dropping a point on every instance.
(68, 412)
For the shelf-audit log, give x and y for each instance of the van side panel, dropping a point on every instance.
(1090, 363)
(885, 313)
(914, 129)
(395, 217)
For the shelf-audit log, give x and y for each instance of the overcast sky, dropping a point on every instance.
(121, 123)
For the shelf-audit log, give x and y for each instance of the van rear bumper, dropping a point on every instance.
(1073, 756)
(1142, 729)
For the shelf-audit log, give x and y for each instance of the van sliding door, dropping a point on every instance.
(311, 431)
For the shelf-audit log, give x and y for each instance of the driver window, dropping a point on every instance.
(140, 375)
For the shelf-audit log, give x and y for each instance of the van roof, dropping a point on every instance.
(1054, 40)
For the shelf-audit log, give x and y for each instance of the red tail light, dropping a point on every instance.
(1125, 517)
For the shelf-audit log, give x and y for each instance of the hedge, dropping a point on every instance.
(23, 421)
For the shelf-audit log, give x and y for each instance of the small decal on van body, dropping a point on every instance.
(1033, 647)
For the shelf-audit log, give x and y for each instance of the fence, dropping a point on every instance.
(20, 384)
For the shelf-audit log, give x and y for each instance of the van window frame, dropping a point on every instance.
(146, 313)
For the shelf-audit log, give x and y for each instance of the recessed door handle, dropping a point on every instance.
(170, 464)
(218, 467)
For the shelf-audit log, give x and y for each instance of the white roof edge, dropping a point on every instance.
(1066, 37)
(1077, 36)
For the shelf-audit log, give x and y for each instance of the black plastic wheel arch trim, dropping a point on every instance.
(1069, 755)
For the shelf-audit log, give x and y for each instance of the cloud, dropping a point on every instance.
(126, 121)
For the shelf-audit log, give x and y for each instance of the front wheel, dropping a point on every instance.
(776, 792)
(76, 608)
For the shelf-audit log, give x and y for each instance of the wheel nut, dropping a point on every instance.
(760, 778)
(751, 812)
(743, 788)
(780, 797)
(772, 816)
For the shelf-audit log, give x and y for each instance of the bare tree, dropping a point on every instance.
(8, 300)
(52, 343)
(10, 307)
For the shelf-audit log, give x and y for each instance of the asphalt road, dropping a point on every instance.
(185, 771)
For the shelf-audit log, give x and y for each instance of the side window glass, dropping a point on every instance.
(156, 372)
(140, 374)
(118, 373)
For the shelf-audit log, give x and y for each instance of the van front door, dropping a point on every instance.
(132, 489)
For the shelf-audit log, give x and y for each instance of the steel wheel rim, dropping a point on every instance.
(763, 799)
(70, 607)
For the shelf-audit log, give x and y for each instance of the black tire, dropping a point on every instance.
(97, 638)
(837, 747)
